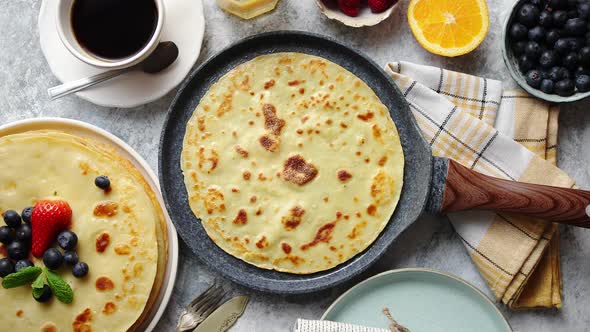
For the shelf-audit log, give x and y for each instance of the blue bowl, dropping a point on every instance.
(511, 62)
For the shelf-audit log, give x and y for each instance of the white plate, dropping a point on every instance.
(184, 24)
(88, 130)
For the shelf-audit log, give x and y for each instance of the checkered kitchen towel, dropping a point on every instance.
(505, 134)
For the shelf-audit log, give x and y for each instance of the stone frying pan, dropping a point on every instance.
(433, 184)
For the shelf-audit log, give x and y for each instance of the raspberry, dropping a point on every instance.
(350, 7)
(379, 6)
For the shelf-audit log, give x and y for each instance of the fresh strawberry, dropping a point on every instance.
(350, 7)
(49, 217)
(330, 4)
(379, 6)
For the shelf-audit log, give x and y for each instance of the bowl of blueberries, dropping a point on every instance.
(547, 48)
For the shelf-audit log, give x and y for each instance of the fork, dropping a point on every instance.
(200, 308)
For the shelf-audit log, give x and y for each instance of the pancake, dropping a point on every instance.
(292, 163)
(121, 232)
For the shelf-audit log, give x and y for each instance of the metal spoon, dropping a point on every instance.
(163, 56)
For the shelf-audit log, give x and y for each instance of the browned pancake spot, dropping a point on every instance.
(241, 218)
(109, 308)
(214, 201)
(382, 161)
(81, 322)
(262, 243)
(269, 84)
(298, 171)
(324, 234)
(208, 163)
(48, 327)
(102, 242)
(253, 199)
(366, 117)
(246, 175)
(268, 143)
(19, 313)
(371, 210)
(104, 284)
(343, 175)
(293, 83)
(294, 218)
(271, 122)
(286, 248)
(106, 209)
(122, 249)
(241, 151)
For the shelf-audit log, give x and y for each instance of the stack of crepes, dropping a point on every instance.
(460, 116)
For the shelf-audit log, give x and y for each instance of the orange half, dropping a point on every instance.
(449, 27)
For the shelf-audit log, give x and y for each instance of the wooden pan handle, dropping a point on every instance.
(465, 189)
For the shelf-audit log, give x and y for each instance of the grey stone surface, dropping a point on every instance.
(430, 242)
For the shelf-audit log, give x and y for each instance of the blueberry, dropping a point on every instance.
(102, 182)
(552, 37)
(71, 258)
(571, 61)
(575, 27)
(52, 258)
(548, 59)
(583, 83)
(23, 263)
(565, 88)
(6, 235)
(556, 4)
(518, 32)
(80, 270)
(26, 214)
(533, 50)
(518, 47)
(572, 13)
(67, 240)
(581, 71)
(528, 15)
(584, 10)
(558, 73)
(12, 219)
(585, 55)
(547, 86)
(562, 45)
(559, 18)
(537, 34)
(525, 63)
(6, 267)
(17, 250)
(534, 78)
(546, 19)
(45, 296)
(575, 44)
(23, 233)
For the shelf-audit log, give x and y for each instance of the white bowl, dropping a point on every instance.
(64, 29)
(365, 17)
(88, 130)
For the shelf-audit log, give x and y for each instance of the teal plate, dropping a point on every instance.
(420, 299)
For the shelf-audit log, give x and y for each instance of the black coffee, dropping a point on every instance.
(114, 29)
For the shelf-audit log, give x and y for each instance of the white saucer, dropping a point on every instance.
(101, 135)
(184, 25)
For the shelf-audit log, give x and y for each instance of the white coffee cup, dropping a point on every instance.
(66, 34)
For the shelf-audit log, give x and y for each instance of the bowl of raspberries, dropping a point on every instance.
(547, 48)
(357, 13)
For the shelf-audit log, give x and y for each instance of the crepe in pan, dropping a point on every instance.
(292, 163)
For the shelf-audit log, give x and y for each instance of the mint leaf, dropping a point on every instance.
(22, 277)
(40, 281)
(59, 287)
(37, 292)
